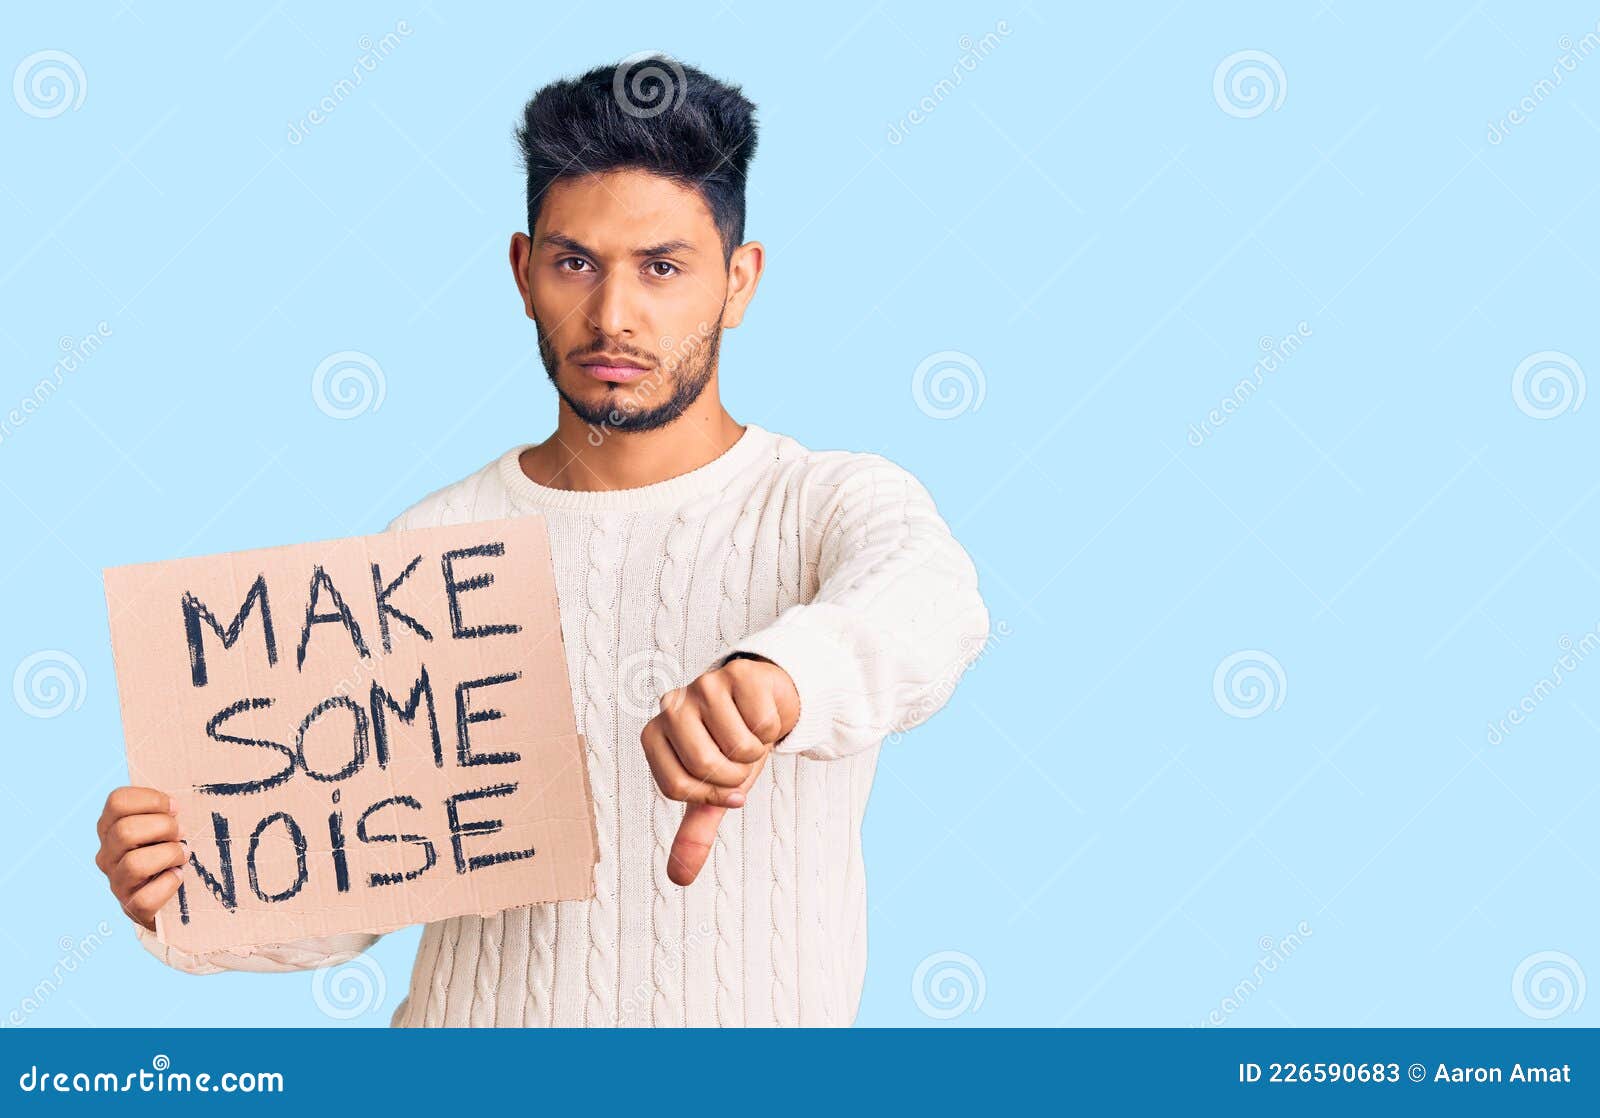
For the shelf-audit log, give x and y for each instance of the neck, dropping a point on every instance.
(570, 459)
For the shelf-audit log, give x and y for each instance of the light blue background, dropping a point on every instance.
(1085, 221)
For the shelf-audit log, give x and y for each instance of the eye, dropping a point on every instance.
(656, 267)
(563, 263)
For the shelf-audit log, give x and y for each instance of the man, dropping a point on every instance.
(745, 619)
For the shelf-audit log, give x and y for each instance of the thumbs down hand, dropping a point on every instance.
(710, 742)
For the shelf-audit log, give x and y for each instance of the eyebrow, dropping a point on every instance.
(665, 248)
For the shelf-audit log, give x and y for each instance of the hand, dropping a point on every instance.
(708, 745)
(139, 851)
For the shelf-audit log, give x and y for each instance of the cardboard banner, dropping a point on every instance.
(359, 734)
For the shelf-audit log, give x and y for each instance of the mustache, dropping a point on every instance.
(600, 347)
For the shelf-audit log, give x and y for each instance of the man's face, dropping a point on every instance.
(626, 282)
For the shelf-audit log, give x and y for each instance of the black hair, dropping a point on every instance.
(648, 112)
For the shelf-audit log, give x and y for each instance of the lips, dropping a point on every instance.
(614, 370)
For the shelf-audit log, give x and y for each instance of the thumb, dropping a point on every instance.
(692, 846)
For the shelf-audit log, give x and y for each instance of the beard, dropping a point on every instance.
(650, 402)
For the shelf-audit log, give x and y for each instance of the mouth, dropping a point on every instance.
(614, 370)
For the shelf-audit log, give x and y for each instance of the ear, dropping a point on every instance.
(744, 273)
(521, 256)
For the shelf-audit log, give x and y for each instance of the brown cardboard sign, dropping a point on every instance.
(359, 734)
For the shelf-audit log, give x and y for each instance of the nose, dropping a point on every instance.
(611, 306)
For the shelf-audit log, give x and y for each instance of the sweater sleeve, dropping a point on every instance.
(300, 954)
(895, 622)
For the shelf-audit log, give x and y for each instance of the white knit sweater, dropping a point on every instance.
(836, 566)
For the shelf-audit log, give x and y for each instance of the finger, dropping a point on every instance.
(726, 724)
(758, 710)
(148, 898)
(676, 782)
(140, 865)
(132, 800)
(692, 844)
(698, 752)
(133, 831)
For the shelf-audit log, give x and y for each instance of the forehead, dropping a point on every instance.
(619, 210)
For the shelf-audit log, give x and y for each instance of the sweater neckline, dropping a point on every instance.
(712, 477)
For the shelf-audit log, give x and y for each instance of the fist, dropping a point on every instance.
(140, 851)
(708, 745)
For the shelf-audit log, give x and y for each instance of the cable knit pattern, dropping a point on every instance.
(834, 565)
(598, 681)
(669, 670)
(733, 620)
